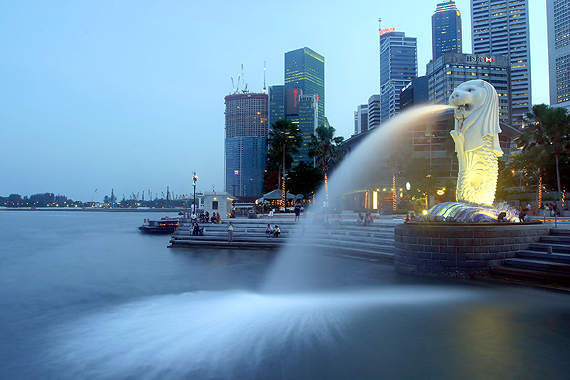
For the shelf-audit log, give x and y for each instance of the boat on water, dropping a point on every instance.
(164, 225)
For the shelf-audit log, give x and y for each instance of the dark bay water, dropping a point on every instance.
(86, 296)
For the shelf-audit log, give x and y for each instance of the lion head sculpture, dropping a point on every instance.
(476, 114)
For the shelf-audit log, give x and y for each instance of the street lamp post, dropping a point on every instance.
(283, 191)
(194, 179)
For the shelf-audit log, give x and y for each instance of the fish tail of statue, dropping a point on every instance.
(477, 182)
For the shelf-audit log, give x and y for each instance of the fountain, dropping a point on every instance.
(300, 326)
(470, 236)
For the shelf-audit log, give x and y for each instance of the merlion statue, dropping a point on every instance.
(476, 137)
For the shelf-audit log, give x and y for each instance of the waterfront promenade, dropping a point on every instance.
(340, 234)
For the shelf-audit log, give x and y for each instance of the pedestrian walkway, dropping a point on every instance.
(341, 236)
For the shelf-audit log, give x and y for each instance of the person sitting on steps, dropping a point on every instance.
(276, 231)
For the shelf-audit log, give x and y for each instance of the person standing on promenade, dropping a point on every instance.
(270, 216)
(230, 232)
(297, 212)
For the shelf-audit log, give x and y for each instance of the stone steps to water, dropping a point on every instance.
(556, 239)
(543, 265)
(546, 263)
(536, 255)
(531, 277)
(374, 242)
(545, 247)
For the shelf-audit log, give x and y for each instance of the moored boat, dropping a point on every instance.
(164, 225)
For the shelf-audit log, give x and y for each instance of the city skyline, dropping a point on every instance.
(96, 94)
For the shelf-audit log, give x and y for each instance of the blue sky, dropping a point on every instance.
(130, 95)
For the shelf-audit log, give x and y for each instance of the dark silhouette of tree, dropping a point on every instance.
(326, 149)
(546, 137)
(304, 179)
(284, 140)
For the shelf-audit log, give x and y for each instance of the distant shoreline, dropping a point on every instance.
(76, 209)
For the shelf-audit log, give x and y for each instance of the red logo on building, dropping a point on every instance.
(295, 95)
(387, 30)
(488, 59)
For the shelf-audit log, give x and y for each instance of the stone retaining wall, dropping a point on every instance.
(460, 250)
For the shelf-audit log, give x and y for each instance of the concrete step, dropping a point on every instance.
(543, 247)
(556, 239)
(531, 277)
(538, 265)
(539, 255)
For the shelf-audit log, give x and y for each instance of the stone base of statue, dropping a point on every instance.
(467, 213)
(463, 250)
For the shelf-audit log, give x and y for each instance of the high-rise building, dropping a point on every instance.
(445, 29)
(307, 122)
(361, 119)
(451, 69)
(415, 93)
(398, 66)
(558, 21)
(374, 111)
(276, 103)
(501, 27)
(245, 143)
(305, 70)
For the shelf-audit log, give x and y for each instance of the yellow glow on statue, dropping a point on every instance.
(476, 137)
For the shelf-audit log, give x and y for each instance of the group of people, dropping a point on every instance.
(364, 220)
(275, 231)
(553, 209)
(206, 218)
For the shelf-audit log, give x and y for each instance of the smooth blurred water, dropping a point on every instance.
(86, 296)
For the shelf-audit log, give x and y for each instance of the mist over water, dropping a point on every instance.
(223, 334)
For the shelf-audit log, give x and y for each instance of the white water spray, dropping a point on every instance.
(290, 270)
(224, 334)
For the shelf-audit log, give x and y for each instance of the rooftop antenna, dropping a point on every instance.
(264, 69)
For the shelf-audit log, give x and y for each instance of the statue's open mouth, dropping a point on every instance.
(462, 107)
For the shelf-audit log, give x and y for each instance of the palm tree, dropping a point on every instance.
(548, 135)
(326, 149)
(284, 140)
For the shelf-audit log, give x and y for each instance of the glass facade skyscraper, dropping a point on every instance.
(246, 143)
(305, 70)
(501, 27)
(446, 29)
(558, 21)
(398, 66)
(276, 103)
(451, 69)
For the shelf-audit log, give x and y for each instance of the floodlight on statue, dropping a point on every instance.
(476, 137)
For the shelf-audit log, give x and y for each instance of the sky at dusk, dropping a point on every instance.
(129, 95)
